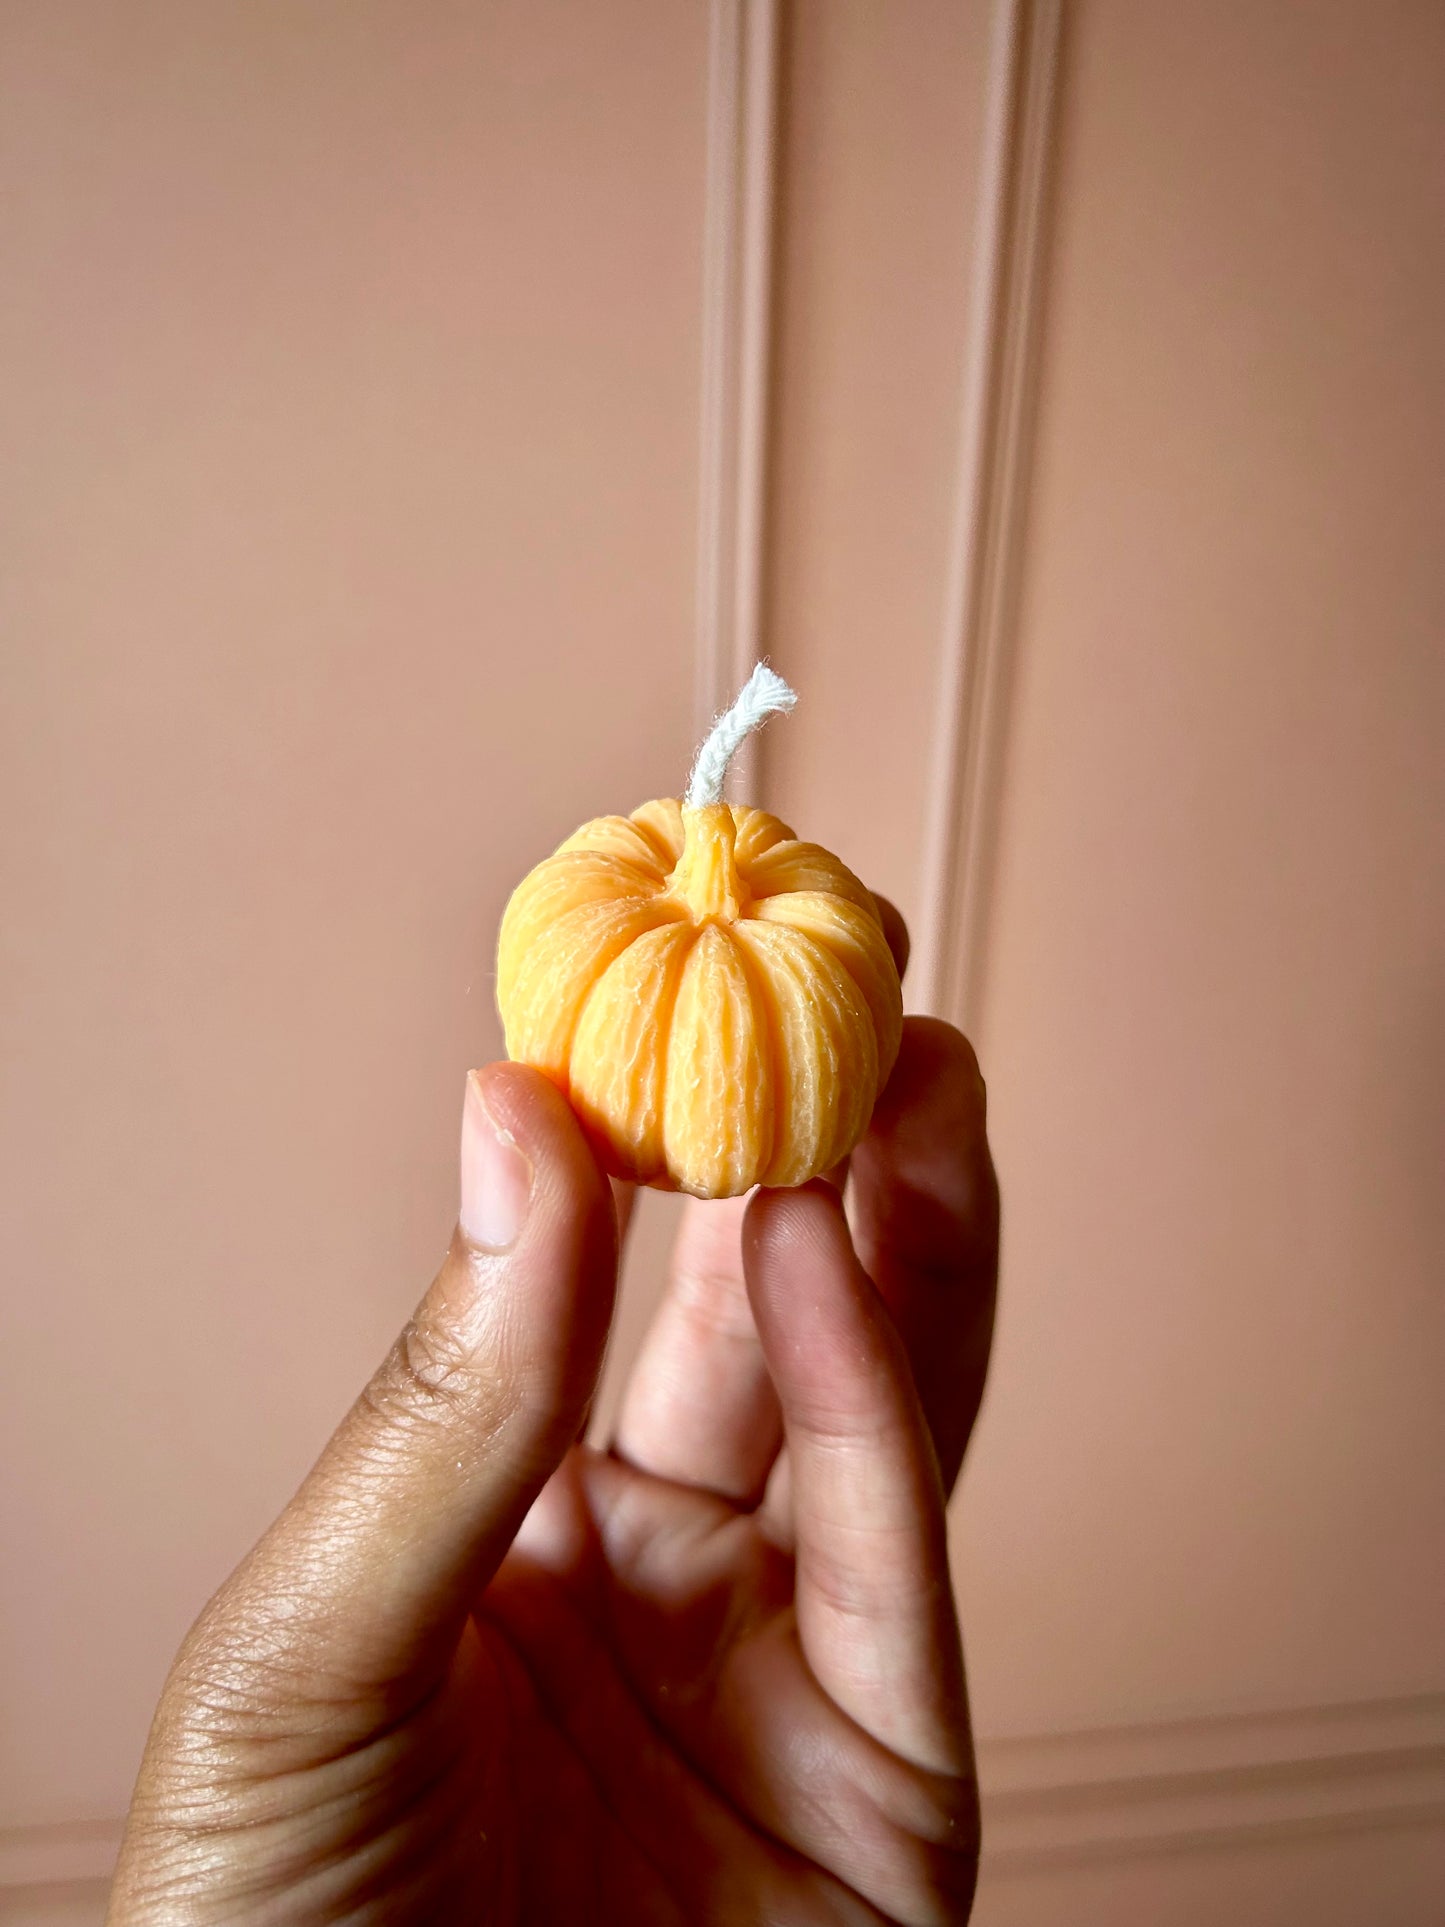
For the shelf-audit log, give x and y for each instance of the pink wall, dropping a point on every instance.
(349, 375)
(1211, 1475)
(880, 175)
(1212, 1003)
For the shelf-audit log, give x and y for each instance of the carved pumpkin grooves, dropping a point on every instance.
(715, 997)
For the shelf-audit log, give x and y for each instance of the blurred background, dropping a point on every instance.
(415, 417)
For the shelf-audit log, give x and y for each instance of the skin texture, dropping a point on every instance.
(478, 1673)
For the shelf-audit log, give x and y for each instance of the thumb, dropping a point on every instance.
(416, 1498)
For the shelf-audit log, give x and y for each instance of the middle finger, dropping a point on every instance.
(699, 1407)
(925, 1214)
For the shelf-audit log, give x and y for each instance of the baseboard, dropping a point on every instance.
(1178, 1785)
(63, 1853)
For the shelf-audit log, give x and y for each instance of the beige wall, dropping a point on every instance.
(349, 381)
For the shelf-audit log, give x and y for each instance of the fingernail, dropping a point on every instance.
(496, 1176)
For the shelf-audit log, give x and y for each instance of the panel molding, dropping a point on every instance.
(998, 395)
(738, 236)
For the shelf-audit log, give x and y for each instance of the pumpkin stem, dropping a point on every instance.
(764, 694)
(706, 877)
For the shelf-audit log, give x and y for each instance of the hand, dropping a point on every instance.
(477, 1672)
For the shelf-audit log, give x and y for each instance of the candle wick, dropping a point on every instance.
(764, 694)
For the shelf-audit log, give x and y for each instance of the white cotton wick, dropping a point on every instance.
(764, 694)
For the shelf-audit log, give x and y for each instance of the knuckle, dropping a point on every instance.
(952, 1058)
(229, 1690)
(239, 1684)
(877, 1575)
(961, 1065)
(914, 1836)
(431, 1378)
(949, 1874)
(432, 1365)
(938, 1831)
(841, 1588)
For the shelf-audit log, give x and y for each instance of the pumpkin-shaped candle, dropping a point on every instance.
(715, 998)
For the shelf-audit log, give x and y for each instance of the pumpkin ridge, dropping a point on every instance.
(662, 1016)
(751, 823)
(820, 943)
(637, 880)
(846, 929)
(632, 905)
(826, 943)
(599, 838)
(667, 857)
(665, 1014)
(827, 874)
(713, 1058)
(615, 958)
(768, 1031)
(786, 950)
(564, 872)
(665, 1018)
(817, 940)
